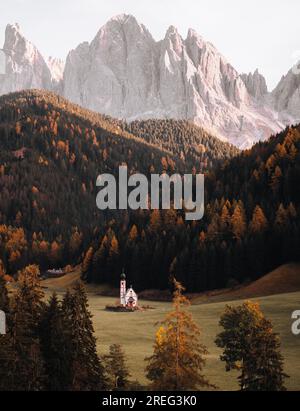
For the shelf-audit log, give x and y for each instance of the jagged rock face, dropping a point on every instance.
(56, 67)
(126, 74)
(115, 74)
(285, 98)
(25, 67)
(256, 84)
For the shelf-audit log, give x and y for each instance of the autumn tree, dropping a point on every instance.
(178, 358)
(251, 347)
(238, 221)
(87, 261)
(259, 223)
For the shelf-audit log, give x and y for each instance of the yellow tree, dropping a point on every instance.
(238, 221)
(178, 358)
(87, 261)
(259, 223)
(250, 346)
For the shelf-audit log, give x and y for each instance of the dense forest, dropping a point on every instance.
(51, 152)
(251, 225)
(184, 139)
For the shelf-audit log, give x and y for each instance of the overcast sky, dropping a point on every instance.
(263, 34)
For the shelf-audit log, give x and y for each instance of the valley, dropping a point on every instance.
(136, 330)
(149, 201)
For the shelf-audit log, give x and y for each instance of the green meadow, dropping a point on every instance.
(136, 330)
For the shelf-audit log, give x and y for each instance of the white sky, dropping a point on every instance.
(263, 34)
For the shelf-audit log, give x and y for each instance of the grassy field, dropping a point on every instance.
(135, 331)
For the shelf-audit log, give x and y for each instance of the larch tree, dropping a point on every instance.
(251, 347)
(178, 358)
(259, 223)
(87, 262)
(238, 222)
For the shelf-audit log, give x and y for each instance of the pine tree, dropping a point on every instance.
(177, 361)
(26, 314)
(116, 368)
(113, 259)
(251, 347)
(53, 332)
(4, 300)
(86, 369)
(7, 354)
(8, 361)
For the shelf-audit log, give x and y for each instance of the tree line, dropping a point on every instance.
(250, 226)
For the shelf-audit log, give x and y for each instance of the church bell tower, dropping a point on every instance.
(123, 289)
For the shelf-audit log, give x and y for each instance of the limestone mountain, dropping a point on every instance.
(128, 75)
(125, 73)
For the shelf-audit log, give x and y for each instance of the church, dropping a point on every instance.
(128, 298)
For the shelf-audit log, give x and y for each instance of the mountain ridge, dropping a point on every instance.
(125, 73)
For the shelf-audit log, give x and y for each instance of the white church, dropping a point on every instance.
(128, 298)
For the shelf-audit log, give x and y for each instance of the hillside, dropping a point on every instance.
(250, 227)
(284, 279)
(185, 140)
(51, 152)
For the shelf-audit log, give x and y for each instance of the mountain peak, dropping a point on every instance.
(13, 35)
(26, 68)
(15, 27)
(123, 18)
(192, 33)
(123, 26)
(173, 40)
(255, 83)
(171, 32)
(125, 73)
